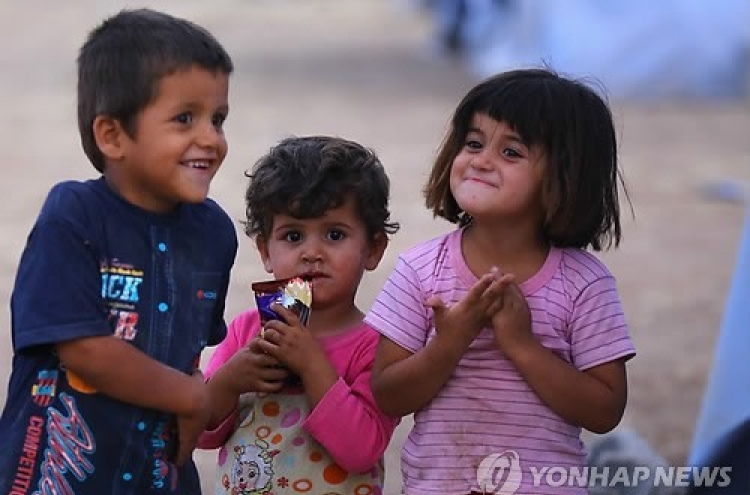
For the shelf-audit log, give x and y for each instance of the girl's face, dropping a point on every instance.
(495, 176)
(332, 251)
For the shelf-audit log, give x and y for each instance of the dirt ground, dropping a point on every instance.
(363, 69)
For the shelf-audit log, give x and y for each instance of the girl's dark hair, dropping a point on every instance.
(123, 60)
(305, 176)
(573, 127)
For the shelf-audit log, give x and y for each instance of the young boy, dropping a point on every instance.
(318, 209)
(123, 278)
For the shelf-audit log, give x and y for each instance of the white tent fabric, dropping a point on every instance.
(636, 48)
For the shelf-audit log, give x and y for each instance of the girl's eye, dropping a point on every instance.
(293, 236)
(473, 144)
(184, 118)
(511, 153)
(335, 235)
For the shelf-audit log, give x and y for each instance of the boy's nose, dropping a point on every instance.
(209, 136)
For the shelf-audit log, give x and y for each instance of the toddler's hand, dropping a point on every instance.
(250, 369)
(291, 343)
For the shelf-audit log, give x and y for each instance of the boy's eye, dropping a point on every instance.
(184, 118)
(293, 236)
(335, 235)
(218, 120)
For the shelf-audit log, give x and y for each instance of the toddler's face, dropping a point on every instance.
(332, 251)
(179, 142)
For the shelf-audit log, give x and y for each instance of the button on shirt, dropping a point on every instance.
(95, 265)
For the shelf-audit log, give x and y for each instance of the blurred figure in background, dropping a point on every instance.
(636, 48)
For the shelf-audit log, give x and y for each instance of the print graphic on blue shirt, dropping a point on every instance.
(43, 391)
(70, 443)
(120, 282)
(161, 474)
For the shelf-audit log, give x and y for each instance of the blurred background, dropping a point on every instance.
(389, 74)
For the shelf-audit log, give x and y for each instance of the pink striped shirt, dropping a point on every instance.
(486, 407)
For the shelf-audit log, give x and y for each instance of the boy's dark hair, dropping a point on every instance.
(305, 176)
(123, 59)
(573, 127)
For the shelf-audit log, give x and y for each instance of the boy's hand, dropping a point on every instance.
(291, 343)
(511, 323)
(475, 311)
(189, 428)
(252, 370)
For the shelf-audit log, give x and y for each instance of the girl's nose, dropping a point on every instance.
(481, 161)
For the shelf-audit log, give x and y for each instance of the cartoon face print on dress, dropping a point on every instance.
(252, 469)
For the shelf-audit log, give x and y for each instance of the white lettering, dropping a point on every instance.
(537, 474)
(598, 476)
(559, 473)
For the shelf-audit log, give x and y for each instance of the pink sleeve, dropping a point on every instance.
(399, 312)
(599, 333)
(213, 439)
(240, 331)
(347, 422)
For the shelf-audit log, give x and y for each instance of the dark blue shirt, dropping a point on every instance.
(95, 265)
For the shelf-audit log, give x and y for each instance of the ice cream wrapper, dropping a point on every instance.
(294, 294)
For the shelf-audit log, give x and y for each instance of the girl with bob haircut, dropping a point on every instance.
(505, 337)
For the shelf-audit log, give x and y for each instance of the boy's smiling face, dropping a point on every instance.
(332, 250)
(178, 145)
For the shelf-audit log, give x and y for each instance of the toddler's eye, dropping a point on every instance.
(335, 235)
(473, 144)
(293, 236)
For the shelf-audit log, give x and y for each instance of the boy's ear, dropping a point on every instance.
(376, 251)
(260, 243)
(109, 136)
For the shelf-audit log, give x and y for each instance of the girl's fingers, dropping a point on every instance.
(495, 306)
(436, 304)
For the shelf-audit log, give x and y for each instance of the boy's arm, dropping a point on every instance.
(348, 422)
(119, 370)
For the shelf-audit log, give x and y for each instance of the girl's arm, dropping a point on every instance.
(594, 398)
(404, 382)
(348, 422)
